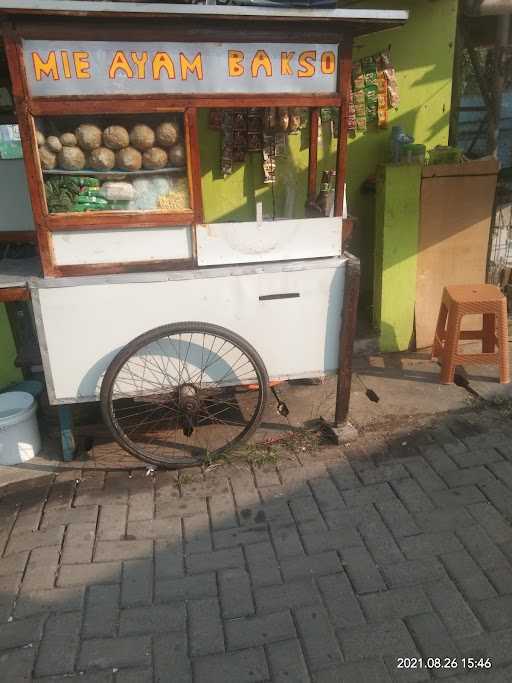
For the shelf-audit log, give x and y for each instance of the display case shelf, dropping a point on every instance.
(102, 174)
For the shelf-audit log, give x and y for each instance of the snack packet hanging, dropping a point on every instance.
(269, 161)
(357, 76)
(370, 71)
(227, 151)
(389, 71)
(382, 110)
(382, 96)
(215, 119)
(351, 116)
(371, 103)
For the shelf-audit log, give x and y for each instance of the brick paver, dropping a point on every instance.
(322, 569)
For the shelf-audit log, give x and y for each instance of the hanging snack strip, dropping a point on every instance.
(382, 97)
(359, 96)
(295, 120)
(215, 119)
(335, 122)
(351, 114)
(389, 71)
(256, 130)
(280, 144)
(370, 88)
(239, 135)
(269, 158)
(375, 91)
(226, 161)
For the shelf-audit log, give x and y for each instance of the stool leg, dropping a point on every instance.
(437, 346)
(450, 347)
(489, 333)
(503, 343)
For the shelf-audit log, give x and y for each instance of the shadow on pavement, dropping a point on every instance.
(326, 566)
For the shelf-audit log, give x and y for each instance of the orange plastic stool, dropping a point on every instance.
(461, 300)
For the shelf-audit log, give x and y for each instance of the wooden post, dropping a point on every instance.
(344, 75)
(347, 336)
(314, 116)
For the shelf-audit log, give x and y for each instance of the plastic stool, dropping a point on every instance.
(461, 300)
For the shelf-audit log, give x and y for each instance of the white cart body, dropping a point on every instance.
(290, 312)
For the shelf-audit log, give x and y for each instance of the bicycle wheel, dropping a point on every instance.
(181, 394)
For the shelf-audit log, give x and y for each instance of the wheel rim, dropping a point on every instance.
(184, 397)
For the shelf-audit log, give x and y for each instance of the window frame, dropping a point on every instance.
(71, 221)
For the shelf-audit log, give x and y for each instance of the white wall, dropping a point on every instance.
(15, 207)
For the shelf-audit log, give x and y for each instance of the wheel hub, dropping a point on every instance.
(188, 399)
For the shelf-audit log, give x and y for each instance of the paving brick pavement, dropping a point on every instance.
(329, 567)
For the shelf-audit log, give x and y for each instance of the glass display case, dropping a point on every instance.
(113, 163)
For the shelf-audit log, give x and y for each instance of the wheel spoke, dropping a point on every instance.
(207, 367)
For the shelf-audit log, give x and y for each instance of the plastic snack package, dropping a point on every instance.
(370, 71)
(254, 141)
(357, 76)
(269, 118)
(351, 115)
(215, 119)
(269, 162)
(280, 144)
(389, 71)
(382, 110)
(239, 119)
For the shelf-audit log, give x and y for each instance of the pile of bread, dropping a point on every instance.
(114, 148)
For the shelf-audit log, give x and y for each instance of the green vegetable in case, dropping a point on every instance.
(93, 200)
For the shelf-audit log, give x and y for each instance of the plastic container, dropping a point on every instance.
(445, 155)
(19, 433)
(414, 154)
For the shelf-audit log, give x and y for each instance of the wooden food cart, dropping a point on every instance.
(176, 324)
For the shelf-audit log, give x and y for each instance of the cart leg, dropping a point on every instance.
(347, 335)
(67, 438)
(342, 431)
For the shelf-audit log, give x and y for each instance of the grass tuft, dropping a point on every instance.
(299, 442)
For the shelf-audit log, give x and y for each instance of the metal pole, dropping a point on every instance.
(456, 86)
(502, 36)
(479, 8)
(478, 71)
(347, 336)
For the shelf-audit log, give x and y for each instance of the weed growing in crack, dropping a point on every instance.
(300, 442)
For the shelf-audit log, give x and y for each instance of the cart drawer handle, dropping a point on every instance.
(271, 297)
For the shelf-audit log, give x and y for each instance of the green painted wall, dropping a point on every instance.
(8, 373)
(396, 247)
(422, 53)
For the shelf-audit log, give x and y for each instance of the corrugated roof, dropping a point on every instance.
(88, 8)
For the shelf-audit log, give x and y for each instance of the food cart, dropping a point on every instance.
(178, 325)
